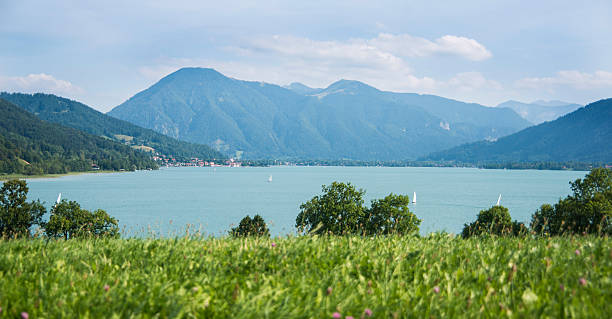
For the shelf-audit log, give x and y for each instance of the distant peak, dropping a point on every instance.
(349, 85)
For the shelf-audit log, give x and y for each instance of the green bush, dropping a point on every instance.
(248, 226)
(339, 211)
(69, 220)
(16, 215)
(494, 221)
(587, 210)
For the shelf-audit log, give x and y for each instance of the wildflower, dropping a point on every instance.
(368, 312)
(349, 317)
(562, 287)
(273, 244)
(24, 315)
(329, 290)
(582, 282)
(195, 289)
(106, 287)
(577, 252)
(336, 315)
(436, 289)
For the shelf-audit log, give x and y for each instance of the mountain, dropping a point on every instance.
(583, 135)
(348, 119)
(540, 111)
(29, 145)
(70, 113)
(300, 88)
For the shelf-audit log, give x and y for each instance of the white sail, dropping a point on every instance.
(414, 198)
(270, 179)
(59, 198)
(498, 200)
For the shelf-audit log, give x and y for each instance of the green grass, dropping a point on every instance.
(289, 277)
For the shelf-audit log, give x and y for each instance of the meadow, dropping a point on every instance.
(435, 276)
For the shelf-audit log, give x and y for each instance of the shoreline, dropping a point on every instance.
(21, 176)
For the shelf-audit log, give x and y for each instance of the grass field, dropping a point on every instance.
(437, 276)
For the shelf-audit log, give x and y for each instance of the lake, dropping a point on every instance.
(213, 200)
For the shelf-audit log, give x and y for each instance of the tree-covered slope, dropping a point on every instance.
(346, 120)
(80, 116)
(29, 145)
(583, 135)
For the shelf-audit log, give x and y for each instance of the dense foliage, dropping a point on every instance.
(68, 220)
(583, 135)
(339, 210)
(17, 215)
(29, 145)
(587, 210)
(73, 114)
(493, 221)
(436, 276)
(248, 226)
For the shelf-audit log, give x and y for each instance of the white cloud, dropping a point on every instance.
(385, 49)
(35, 83)
(574, 79)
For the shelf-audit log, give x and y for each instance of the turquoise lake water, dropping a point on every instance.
(213, 200)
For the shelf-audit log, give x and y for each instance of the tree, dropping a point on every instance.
(587, 210)
(16, 215)
(338, 211)
(390, 215)
(251, 227)
(69, 220)
(494, 221)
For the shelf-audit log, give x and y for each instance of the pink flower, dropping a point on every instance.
(336, 315)
(106, 287)
(273, 244)
(577, 252)
(24, 315)
(436, 289)
(582, 281)
(349, 317)
(562, 287)
(368, 312)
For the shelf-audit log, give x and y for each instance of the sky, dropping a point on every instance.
(103, 52)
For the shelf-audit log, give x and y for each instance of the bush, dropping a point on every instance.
(339, 211)
(494, 221)
(251, 227)
(16, 215)
(588, 210)
(69, 220)
(390, 215)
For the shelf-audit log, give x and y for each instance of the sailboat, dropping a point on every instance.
(59, 198)
(414, 198)
(270, 179)
(498, 200)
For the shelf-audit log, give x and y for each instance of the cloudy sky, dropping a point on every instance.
(103, 52)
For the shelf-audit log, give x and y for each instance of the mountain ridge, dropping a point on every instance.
(348, 119)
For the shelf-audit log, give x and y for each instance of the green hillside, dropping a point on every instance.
(347, 120)
(80, 116)
(584, 135)
(29, 145)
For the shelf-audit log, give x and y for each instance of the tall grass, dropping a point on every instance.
(437, 276)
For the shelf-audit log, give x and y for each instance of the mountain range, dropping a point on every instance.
(540, 111)
(346, 120)
(584, 135)
(73, 114)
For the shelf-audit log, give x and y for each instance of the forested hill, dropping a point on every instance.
(29, 146)
(82, 117)
(584, 135)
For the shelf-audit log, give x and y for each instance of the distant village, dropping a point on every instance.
(195, 162)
